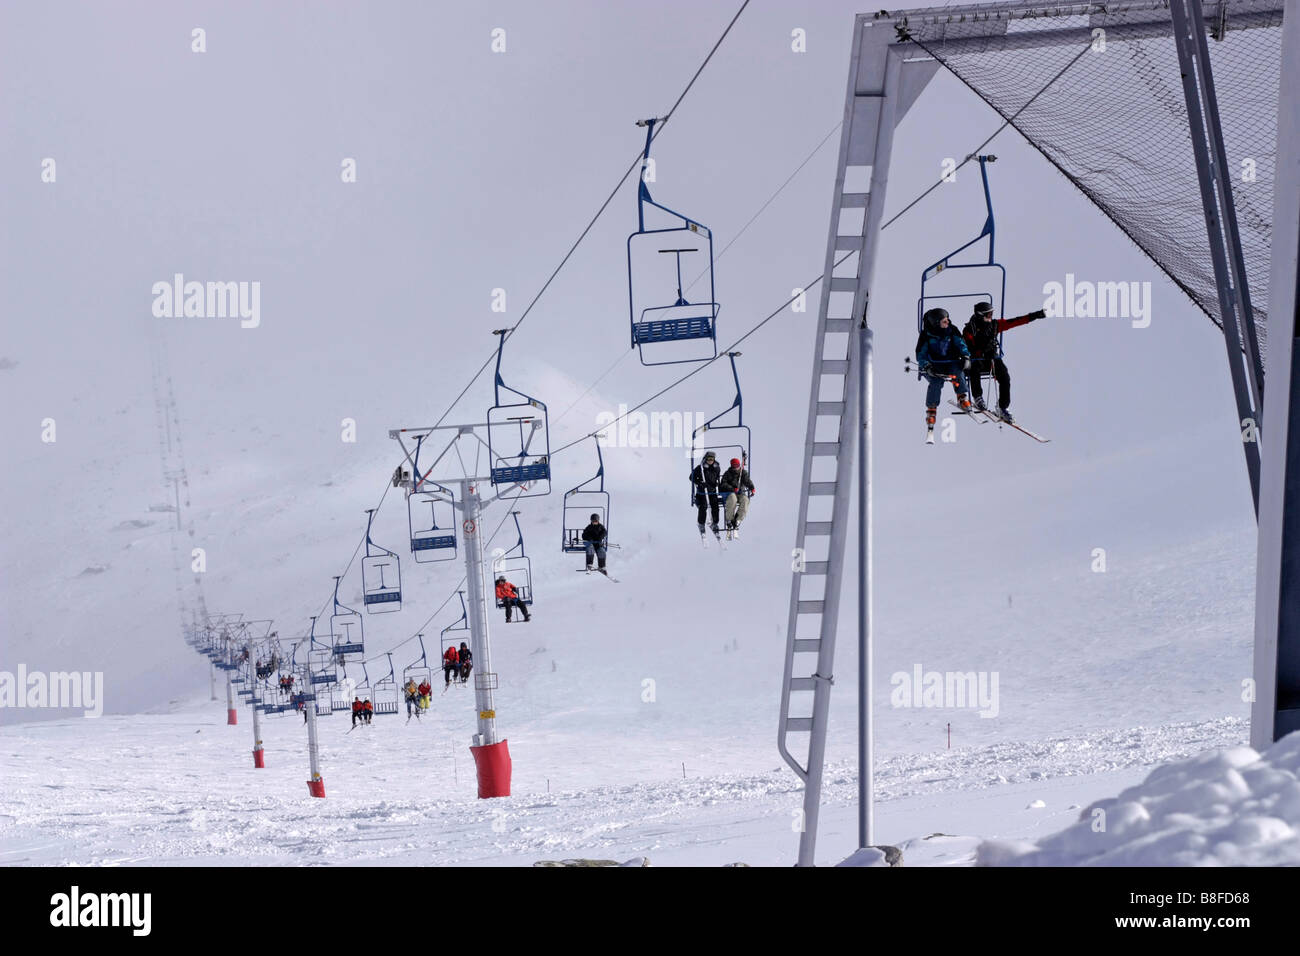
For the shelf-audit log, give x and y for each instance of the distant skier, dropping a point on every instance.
(466, 661)
(509, 597)
(412, 698)
(736, 488)
(704, 482)
(367, 709)
(358, 712)
(594, 536)
(451, 663)
(941, 355)
(424, 690)
(981, 335)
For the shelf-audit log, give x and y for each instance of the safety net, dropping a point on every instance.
(1108, 110)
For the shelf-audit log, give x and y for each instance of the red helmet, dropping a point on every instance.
(735, 463)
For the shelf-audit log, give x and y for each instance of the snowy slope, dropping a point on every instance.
(1231, 807)
(179, 788)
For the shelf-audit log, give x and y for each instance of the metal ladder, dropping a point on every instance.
(870, 113)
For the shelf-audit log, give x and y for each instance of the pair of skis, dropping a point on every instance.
(991, 415)
(717, 534)
(979, 417)
(600, 571)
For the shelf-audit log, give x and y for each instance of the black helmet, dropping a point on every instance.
(710, 454)
(595, 517)
(500, 579)
(983, 310)
(932, 319)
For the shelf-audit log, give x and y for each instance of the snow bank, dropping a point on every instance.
(875, 856)
(1232, 807)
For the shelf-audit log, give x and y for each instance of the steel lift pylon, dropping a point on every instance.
(879, 94)
(886, 74)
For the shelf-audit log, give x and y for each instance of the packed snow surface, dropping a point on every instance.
(1228, 807)
(180, 788)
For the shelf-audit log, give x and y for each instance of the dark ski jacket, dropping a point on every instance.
(941, 347)
(466, 655)
(982, 337)
(706, 478)
(595, 533)
(733, 479)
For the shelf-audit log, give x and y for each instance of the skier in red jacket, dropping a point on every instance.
(981, 334)
(509, 598)
(450, 665)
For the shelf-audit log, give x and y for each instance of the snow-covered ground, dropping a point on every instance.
(1231, 807)
(180, 788)
(1102, 678)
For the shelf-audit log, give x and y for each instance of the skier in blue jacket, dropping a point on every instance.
(941, 355)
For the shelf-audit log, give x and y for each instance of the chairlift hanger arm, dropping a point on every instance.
(643, 190)
(312, 638)
(337, 603)
(598, 476)
(370, 520)
(423, 660)
(500, 383)
(989, 229)
(738, 403)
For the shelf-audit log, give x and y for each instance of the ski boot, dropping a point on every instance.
(980, 405)
(1005, 415)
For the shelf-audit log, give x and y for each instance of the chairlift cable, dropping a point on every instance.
(622, 355)
(702, 365)
(971, 155)
(459, 586)
(1005, 123)
(770, 200)
(601, 211)
(705, 364)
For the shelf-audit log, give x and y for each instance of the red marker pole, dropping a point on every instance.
(232, 715)
(316, 785)
(259, 758)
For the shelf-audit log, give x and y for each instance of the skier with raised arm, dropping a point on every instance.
(981, 335)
